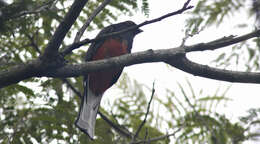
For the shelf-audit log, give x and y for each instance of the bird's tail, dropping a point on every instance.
(88, 112)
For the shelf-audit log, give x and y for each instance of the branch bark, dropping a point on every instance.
(18, 73)
(51, 50)
(222, 42)
(74, 70)
(35, 67)
(174, 56)
(184, 64)
(89, 20)
(75, 45)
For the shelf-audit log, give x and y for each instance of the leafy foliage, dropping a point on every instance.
(44, 110)
(209, 13)
(214, 13)
(196, 117)
(129, 109)
(252, 123)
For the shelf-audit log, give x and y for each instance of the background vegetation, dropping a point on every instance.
(43, 110)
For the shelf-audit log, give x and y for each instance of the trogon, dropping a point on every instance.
(96, 83)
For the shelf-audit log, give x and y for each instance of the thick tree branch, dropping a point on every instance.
(173, 56)
(73, 70)
(18, 73)
(89, 20)
(76, 45)
(196, 69)
(51, 50)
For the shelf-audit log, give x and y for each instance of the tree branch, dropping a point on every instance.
(222, 42)
(89, 20)
(157, 138)
(33, 43)
(173, 56)
(180, 11)
(74, 70)
(76, 45)
(36, 10)
(72, 87)
(18, 73)
(115, 127)
(51, 50)
(184, 64)
(146, 114)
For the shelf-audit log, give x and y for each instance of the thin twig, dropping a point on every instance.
(197, 114)
(116, 127)
(189, 34)
(72, 87)
(146, 114)
(157, 138)
(90, 19)
(76, 45)
(180, 11)
(33, 43)
(39, 9)
(146, 135)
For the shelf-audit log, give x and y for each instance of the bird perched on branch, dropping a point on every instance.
(96, 83)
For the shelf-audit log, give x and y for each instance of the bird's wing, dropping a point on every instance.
(95, 45)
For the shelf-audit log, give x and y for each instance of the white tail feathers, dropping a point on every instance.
(88, 112)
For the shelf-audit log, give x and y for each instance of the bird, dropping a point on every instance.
(96, 83)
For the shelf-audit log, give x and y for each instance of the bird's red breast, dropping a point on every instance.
(100, 81)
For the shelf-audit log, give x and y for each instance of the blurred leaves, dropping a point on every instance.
(207, 13)
(218, 12)
(44, 110)
(196, 115)
(26, 26)
(130, 108)
(189, 112)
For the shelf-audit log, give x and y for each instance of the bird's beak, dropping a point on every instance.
(138, 31)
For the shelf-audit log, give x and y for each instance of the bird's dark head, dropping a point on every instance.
(127, 24)
(129, 35)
